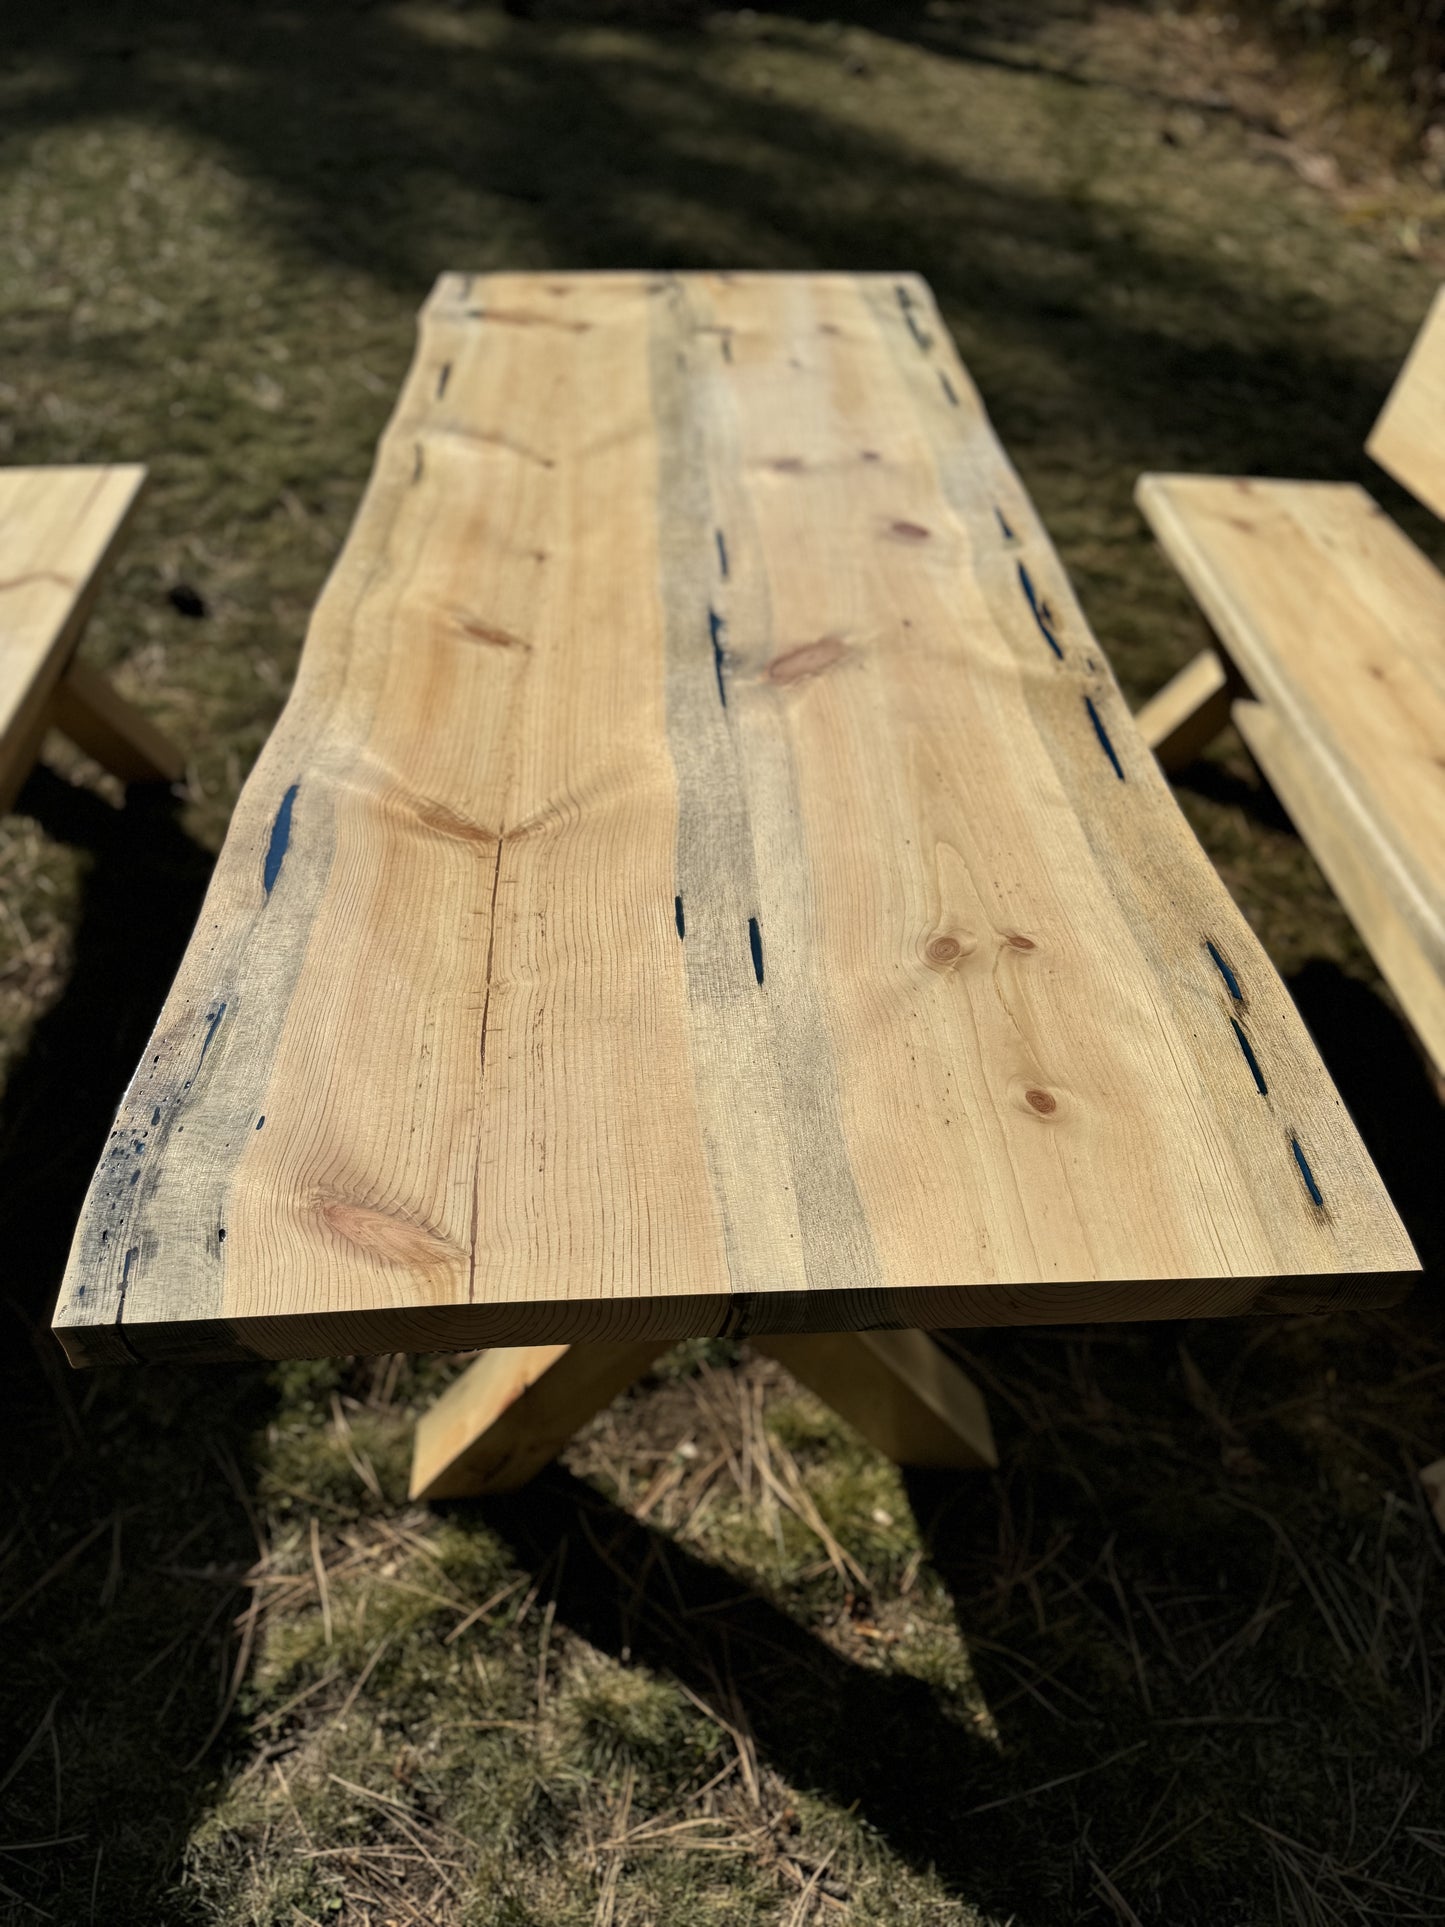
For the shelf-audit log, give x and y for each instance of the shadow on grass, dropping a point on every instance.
(397, 142)
(123, 1493)
(387, 141)
(869, 1740)
(1164, 1627)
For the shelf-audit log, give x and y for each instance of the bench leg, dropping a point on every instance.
(87, 709)
(1183, 718)
(19, 755)
(513, 1410)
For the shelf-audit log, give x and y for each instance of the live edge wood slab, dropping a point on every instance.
(706, 880)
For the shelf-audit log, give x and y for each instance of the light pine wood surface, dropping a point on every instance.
(1336, 622)
(1409, 438)
(59, 529)
(706, 880)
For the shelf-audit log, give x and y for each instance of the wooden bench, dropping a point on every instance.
(1330, 660)
(706, 880)
(59, 530)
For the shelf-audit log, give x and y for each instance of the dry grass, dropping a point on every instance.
(1182, 1659)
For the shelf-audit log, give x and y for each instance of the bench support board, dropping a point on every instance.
(1182, 719)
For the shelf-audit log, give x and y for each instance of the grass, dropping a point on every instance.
(1182, 1659)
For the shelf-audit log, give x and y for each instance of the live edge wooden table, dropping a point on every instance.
(706, 880)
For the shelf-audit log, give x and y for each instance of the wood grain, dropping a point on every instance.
(59, 528)
(706, 879)
(1337, 624)
(1409, 438)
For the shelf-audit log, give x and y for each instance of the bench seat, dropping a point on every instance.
(1331, 627)
(59, 530)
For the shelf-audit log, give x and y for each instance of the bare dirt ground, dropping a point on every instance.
(1183, 1659)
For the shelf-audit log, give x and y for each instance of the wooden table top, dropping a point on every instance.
(706, 879)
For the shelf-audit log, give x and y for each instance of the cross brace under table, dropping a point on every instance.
(513, 1410)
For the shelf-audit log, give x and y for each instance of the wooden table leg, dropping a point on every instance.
(513, 1410)
(900, 1389)
(1183, 718)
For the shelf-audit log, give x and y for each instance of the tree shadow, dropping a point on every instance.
(380, 142)
(394, 143)
(124, 1499)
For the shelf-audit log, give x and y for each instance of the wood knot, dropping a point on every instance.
(489, 633)
(808, 659)
(788, 465)
(1044, 1102)
(394, 1240)
(1018, 942)
(909, 531)
(943, 951)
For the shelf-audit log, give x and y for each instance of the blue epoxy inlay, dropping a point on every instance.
(722, 552)
(1103, 735)
(1231, 982)
(1251, 1060)
(1045, 627)
(681, 920)
(715, 630)
(755, 944)
(260, 1121)
(1305, 1172)
(280, 838)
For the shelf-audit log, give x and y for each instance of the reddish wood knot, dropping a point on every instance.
(945, 949)
(909, 531)
(788, 465)
(1019, 943)
(871, 455)
(808, 659)
(490, 633)
(1042, 1101)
